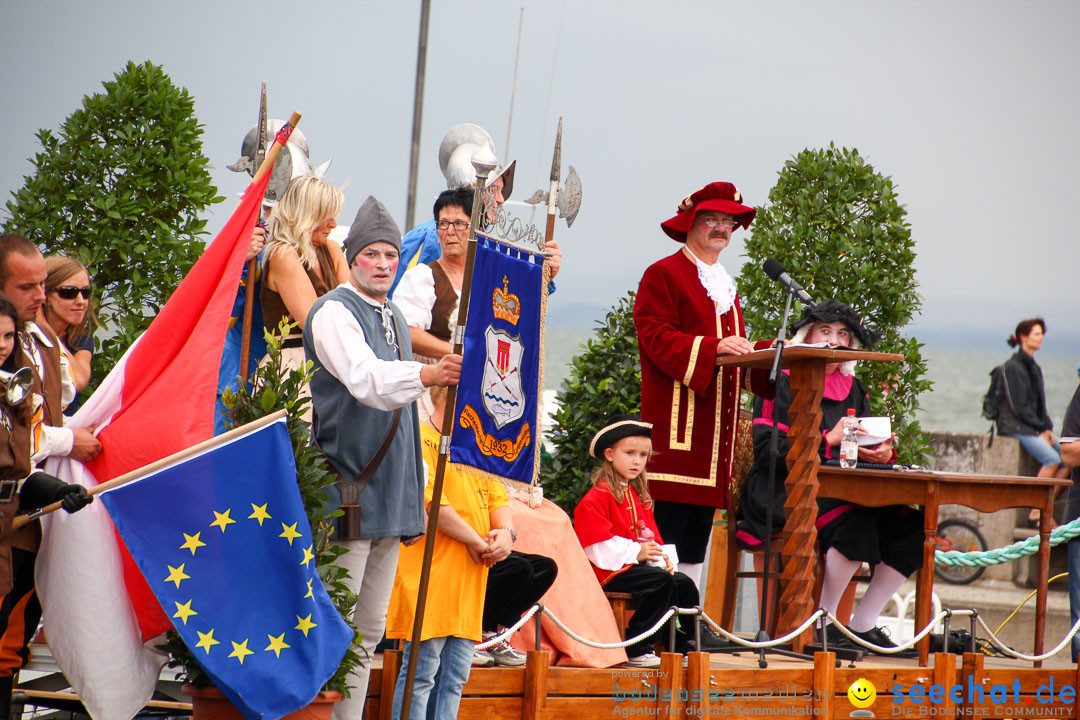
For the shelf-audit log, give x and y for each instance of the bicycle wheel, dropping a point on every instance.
(964, 536)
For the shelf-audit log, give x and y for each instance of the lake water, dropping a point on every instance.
(961, 378)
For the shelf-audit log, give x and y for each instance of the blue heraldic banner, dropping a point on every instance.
(223, 541)
(496, 429)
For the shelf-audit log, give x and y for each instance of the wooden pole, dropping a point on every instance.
(418, 114)
(553, 189)
(513, 86)
(482, 172)
(252, 266)
(176, 457)
(271, 155)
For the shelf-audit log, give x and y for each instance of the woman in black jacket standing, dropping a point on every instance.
(1023, 416)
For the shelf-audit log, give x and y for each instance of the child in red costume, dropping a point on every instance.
(614, 522)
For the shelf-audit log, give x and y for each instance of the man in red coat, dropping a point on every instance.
(687, 314)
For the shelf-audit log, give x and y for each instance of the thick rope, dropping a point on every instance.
(611, 646)
(1021, 656)
(998, 556)
(763, 643)
(899, 648)
(506, 634)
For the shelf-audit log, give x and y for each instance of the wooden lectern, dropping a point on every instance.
(799, 552)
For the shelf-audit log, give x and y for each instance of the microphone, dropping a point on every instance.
(776, 271)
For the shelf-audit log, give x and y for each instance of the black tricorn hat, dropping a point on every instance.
(617, 428)
(836, 311)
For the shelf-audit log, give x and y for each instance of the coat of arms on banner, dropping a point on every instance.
(504, 399)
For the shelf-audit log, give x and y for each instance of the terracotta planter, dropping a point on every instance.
(211, 704)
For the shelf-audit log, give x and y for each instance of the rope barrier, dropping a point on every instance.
(508, 632)
(1021, 656)
(610, 646)
(998, 556)
(755, 645)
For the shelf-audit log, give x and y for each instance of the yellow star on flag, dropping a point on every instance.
(192, 542)
(277, 644)
(305, 624)
(308, 556)
(176, 575)
(240, 651)
(289, 532)
(206, 640)
(222, 520)
(258, 512)
(310, 594)
(184, 611)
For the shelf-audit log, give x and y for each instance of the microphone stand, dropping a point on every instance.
(774, 453)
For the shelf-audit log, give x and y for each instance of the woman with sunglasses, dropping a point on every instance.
(69, 312)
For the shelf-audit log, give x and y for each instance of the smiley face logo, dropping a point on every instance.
(862, 693)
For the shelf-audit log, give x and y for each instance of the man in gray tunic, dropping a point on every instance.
(364, 391)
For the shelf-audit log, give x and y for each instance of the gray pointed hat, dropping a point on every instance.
(373, 224)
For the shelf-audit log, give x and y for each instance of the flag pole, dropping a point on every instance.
(483, 169)
(176, 457)
(252, 266)
(279, 142)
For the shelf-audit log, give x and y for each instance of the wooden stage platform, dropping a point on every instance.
(733, 686)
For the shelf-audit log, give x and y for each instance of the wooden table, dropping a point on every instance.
(985, 493)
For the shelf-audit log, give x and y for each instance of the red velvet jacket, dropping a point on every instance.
(692, 405)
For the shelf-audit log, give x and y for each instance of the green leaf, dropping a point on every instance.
(269, 397)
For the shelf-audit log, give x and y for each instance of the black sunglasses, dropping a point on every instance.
(70, 292)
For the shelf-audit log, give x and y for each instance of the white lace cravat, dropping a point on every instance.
(717, 283)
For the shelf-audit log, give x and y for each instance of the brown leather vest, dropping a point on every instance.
(273, 307)
(446, 299)
(14, 465)
(49, 385)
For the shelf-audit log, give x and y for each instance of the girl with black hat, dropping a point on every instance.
(888, 538)
(614, 522)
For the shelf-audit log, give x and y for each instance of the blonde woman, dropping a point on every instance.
(299, 265)
(69, 311)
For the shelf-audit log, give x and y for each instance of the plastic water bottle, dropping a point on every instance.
(849, 445)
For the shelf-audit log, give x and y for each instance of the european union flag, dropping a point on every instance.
(223, 541)
(497, 427)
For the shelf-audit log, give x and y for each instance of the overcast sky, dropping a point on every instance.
(971, 107)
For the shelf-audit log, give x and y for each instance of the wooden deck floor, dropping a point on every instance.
(733, 685)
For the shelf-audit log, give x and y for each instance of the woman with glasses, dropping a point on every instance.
(429, 295)
(300, 265)
(69, 312)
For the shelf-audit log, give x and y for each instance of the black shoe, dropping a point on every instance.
(878, 636)
(838, 639)
(710, 641)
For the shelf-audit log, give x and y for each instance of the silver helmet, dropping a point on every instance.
(457, 150)
(291, 163)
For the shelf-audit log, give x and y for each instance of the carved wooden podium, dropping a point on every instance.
(798, 555)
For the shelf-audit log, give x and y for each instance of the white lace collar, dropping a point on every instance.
(716, 281)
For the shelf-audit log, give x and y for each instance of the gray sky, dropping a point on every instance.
(971, 106)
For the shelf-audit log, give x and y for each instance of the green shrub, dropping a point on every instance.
(120, 187)
(605, 380)
(838, 226)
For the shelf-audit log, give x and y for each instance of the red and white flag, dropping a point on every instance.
(100, 616)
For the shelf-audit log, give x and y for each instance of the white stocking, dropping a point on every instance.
(838, 573)
(885, 583)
